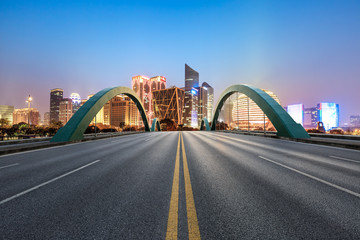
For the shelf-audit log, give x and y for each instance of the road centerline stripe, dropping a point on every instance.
(313, 177)
(193, 224)
(46, 183)
(11, 165)
(172, 225)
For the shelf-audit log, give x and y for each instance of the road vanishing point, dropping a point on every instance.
(181, 185)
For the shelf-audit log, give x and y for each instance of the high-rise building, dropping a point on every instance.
(56, 95)
(46, 119)
(202, 103)
(355, 121)
(311, 117)
(246, 113)
(157, 83)
(6, 112)
(296, 111)
(328, 114)
(190, 111)
(123, 112)
(210, 100)
(168, 104)
(65, 110)
(143, 86)
(76, 101)
(190, 99)
(100, 116)
(26, 115)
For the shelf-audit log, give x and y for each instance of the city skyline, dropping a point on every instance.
(305, 53)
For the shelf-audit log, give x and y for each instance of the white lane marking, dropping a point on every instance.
(147, 139)
(345, 159)
(45, 183)
(9, 165)
(315, 178)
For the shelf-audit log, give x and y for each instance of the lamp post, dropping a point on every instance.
(29, 100)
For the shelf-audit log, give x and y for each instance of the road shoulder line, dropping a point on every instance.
(46, 183)
(313, 177)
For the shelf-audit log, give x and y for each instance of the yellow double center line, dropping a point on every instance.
(193, 225)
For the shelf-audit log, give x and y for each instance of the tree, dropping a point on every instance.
(170, 124)
(4, 122)
(56, 124)
(122, 125)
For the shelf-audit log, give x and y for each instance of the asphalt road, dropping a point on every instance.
(160, 185)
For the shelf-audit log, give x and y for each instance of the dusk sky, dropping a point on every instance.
(303, 51)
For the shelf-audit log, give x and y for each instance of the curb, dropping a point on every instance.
(54, 144)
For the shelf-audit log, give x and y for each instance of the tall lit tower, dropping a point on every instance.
(56, 95)
(190, 104)
(143, 86)
(29, 100)
(210, 100)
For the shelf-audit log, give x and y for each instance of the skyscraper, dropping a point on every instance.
(296, 111)
(143, 86)
(56, 95)
(6, 112)
(76, 101)
(123, 112)
(210, 100)
(26, 115)
(246, 113)
(328, 114)
(65, 110)
(202, 109)
(190, 100)
(168, 104)
(46, 119)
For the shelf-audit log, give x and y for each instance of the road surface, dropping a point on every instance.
(187, 185)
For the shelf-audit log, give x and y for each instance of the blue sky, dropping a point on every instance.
(304, 51)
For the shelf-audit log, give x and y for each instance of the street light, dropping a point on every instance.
(29, 100)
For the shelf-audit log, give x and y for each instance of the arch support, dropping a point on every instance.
(156, 124)
(282, 121)
(76, 126)
(204, 125)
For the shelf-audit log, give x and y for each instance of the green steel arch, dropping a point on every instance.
(282, 121)
(76, 126)
(204, 124)
(156, 124)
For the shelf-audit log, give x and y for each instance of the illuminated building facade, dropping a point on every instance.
(202, 94)
(226, 113)
(168, 104)
(143, 86)
(123, 112)
(65, 110)
(210, 100)
(296, 111)
(311, 117)
(355, 121)
(246, 113)
(329, 115)
(26, 115)
(190, 111)
(56, 95)
(76, 101)
(103, 116)
(6, 112)
(46, 120)
(190, 99)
